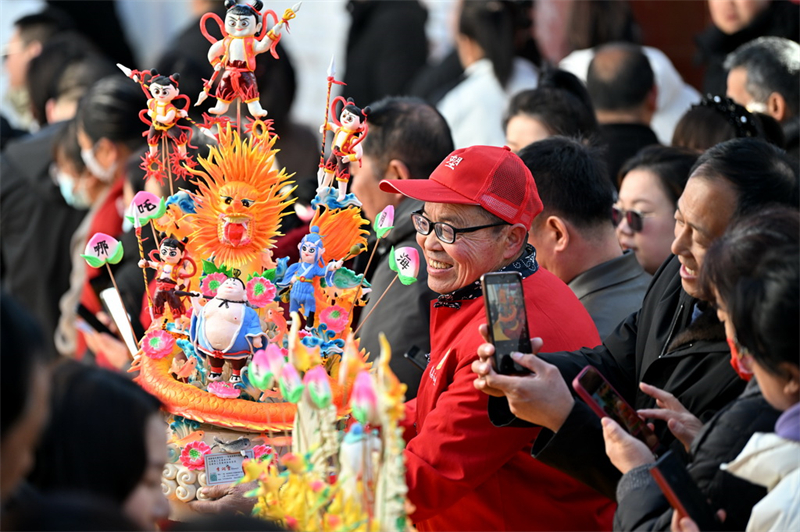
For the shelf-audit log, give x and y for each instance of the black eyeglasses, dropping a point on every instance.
(634, 218)
(444, 231)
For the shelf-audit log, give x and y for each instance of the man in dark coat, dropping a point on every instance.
(675, 342)
(386, 47)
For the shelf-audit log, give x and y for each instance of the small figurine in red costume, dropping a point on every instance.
(348, 133)
(163, 113)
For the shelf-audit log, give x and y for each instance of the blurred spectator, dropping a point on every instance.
(64, 512)
(594, 23)
(650, 184)
(436, 80)
(125, 466)
(560, 105)
(25, 394)
(31, 32)
(386, 47)
(407, 140)
(67, 66)
(735, 22)
(763, 77)
(99, 22)
(715, 119)
(485, 42)
(622, 87)
(109, 130)
(574, 237)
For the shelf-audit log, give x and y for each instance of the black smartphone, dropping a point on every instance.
(508, 322)
(601, 397)
(416, 357)
(682, 492)
(91, 320)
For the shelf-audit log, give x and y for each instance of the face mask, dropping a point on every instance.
(736, 361)
(74, 198)
(97, 169)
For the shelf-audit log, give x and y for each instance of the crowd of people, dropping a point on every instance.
(656, 234)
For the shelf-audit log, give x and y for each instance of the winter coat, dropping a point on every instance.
(661, 345)
(772, 462)
(642, 506)
(466, 474)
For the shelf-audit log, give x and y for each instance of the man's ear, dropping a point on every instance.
(792, 386)
(516, 238)
(776, 106)
(558, 230)
(397, 169)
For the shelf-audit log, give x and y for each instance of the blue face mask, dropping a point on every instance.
(127, 225)
(74, 198)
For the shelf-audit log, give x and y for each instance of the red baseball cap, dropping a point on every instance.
(492, 177)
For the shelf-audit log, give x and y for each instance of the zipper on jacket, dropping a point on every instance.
(671, 331)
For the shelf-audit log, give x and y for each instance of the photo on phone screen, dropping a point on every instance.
(508, 322)
(604, 400)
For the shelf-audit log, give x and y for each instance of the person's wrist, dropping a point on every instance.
(561, 415)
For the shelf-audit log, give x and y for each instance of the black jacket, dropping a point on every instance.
(660, 345)
(780, 19)
(386, 47)
(642, 506)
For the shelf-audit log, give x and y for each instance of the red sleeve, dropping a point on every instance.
(409, 421)
(458, 448)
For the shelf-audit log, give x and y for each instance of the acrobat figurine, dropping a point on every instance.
(171, 270)
(226, 329)
(300, 275)
(163, 113)
(348, 134)
(235, 55)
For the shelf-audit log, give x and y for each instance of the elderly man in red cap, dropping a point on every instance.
(463, 472)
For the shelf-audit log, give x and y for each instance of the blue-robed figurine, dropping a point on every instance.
(300, 275)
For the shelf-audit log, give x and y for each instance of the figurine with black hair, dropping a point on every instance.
(226, 329)
(300, 276)
(164, 115)
(349, 132)
(172, 268)
(235, 55)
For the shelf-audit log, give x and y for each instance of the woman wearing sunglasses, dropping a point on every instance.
(649, 186)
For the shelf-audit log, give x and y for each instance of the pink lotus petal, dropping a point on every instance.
(364, 399)
(224, 390)
(157, 343)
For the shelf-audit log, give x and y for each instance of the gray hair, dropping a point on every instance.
(772, 65)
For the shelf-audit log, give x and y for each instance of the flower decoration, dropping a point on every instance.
(263, 452)
(158, 343)
(260, 292)
(181, 164)
(153, 167)
(318, 388)
(335, 317)
(192, 455)
(224, 390)
(266, 366)
(146, 206)
(364, 399)
(290, 384)
(210, 283)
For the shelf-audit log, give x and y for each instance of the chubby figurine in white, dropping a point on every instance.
(226, 329)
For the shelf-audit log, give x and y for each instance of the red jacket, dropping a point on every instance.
(463, 472)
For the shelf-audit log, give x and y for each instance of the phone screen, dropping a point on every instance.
(606, 402)
(508, 322)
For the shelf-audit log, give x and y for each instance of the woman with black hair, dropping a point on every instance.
(485, 44)
(106, 438)
(108, 131)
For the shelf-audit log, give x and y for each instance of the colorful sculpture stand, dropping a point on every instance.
(349, 131)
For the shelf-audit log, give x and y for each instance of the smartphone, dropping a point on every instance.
(508, 322)
(116, 309)
(91, 320)
(416, 357)
(601, 397)
(682, 493)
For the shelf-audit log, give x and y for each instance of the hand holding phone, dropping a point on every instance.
(605, 401)
(682, 492)
(508, 322)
